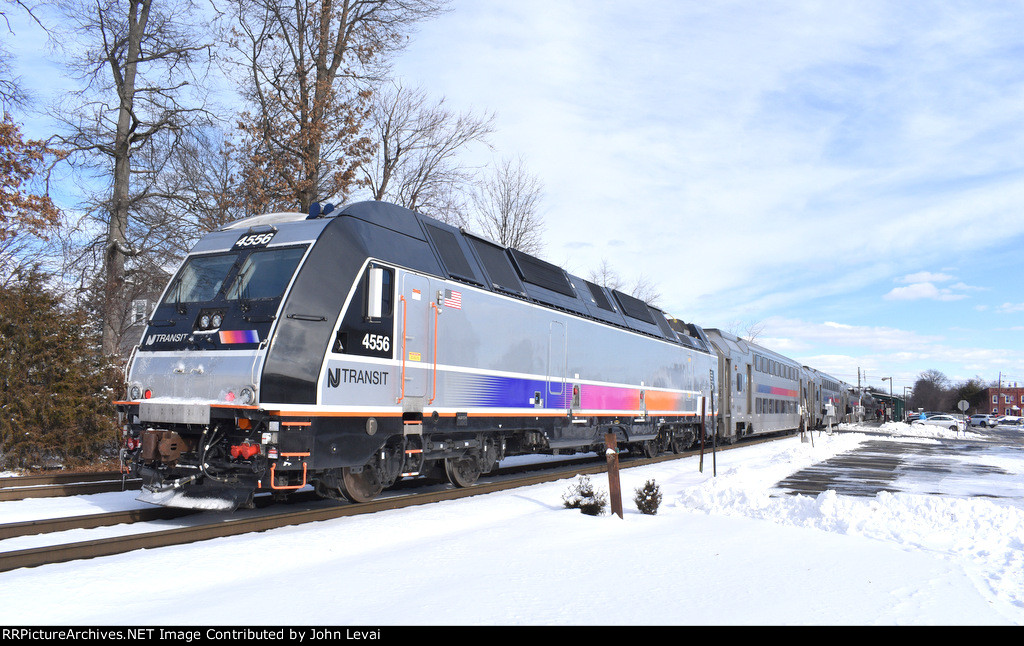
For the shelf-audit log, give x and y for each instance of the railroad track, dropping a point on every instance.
(33, 557)
(90, 521)
(64, 484)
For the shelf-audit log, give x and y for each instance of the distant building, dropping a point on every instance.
(135, 325)
(1005, 400)
(890, 407)
(144, 300)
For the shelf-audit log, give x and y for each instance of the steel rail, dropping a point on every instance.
(57, 478)
(90, 521)
(70, 489)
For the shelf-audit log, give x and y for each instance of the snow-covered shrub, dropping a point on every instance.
(582, 495)
(648, 497)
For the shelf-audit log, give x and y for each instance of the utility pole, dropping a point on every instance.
(999, 391)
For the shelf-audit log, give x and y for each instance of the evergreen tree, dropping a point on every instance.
(648, 498)
(56, 389)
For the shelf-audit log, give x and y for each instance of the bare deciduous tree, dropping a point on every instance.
(747, 330)
(417, 143)
(506, 207)
(305, 64)
(188, 190)
(642, 288)
(605, 275)
(140, 62)
(646, 290)
(932, 391)
(12, 94)
(201, 181)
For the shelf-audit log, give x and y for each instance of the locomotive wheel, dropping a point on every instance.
(650, 448)
(677, 444)
(363, 486)
(682, 440)
(462, 472)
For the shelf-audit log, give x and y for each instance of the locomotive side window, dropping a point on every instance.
(379, 294)
(367, 326)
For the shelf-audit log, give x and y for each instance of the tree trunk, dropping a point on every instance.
(117, 228)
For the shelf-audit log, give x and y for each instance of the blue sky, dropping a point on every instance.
(847, 175)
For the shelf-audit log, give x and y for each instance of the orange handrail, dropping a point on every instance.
(405, 309)
(274, 466)
(437, 313)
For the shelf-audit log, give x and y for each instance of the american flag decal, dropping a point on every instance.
(453, 299)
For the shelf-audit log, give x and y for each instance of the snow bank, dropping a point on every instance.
(902, 429)
(984, 536)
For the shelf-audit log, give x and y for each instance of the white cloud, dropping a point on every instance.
(922, 285)
(871, 352)
(925, 277)
(917, 291)
(873, 338)
(968, 288)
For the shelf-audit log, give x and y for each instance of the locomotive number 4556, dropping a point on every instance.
(377, 342)
(254, 240)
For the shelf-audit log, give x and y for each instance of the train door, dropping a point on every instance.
(417, 322)
(726, 405)
(750, 395)
(556, 367)
(802, 404)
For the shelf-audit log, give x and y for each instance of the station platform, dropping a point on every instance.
(965, 467)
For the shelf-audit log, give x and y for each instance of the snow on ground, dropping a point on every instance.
(725, 548)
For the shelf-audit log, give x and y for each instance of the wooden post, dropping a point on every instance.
(614, 491)
(714, 442)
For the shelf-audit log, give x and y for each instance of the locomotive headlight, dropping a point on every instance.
(204, 322)
(135, 391)
(217, 320)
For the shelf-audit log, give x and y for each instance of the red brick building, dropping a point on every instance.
(1007, 400)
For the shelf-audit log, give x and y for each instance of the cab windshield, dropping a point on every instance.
(265, 274)
(261, 274)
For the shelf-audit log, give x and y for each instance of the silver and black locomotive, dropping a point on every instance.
(346, 349)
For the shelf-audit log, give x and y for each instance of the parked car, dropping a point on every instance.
(982, 420)
(945, 421)
(1009, 420)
